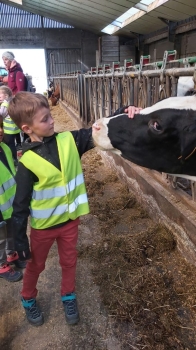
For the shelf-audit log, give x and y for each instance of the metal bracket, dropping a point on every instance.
(171, 28)
(138, 37)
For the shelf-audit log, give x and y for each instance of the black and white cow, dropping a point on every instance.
(161, 137)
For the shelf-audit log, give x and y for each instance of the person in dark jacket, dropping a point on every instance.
(51, 190)
(8, 255)
(16, 78)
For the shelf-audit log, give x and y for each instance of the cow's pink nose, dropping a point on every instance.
(96, 126)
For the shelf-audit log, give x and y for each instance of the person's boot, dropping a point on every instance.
(18, 146)
(15, 162)
(70, 308)
(9, 274)
(3, 228)
(14, 259)
(33, 313)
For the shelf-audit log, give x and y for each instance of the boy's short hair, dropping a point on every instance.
(6, 90)
(24, 106)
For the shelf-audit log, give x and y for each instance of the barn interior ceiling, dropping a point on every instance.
(146, 16)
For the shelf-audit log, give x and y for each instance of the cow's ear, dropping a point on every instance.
(188, 141)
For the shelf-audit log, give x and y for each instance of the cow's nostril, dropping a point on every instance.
(154, 125)
(96, 126)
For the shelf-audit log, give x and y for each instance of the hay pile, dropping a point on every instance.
(146, 286)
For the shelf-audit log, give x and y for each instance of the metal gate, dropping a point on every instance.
(63, 61)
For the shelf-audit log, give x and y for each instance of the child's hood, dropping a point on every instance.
(28, 145)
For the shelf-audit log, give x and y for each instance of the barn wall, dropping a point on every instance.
(184, 44)
(160, 47)
(69, 38)
(127, 52)
(188, 47)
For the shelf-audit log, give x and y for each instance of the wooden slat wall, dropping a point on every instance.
(127, 52)
(110, 49)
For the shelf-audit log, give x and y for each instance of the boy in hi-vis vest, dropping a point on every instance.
(8, 255)
(51, 189)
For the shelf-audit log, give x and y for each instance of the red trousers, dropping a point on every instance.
(41, 242)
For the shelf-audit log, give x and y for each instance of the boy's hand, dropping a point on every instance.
(24, 255)
(132, 110)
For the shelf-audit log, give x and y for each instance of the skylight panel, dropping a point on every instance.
(110, 29)
(132, 11)
(146, 2)
(19, 2)
(135, 12)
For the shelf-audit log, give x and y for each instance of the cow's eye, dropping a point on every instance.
(154, 125)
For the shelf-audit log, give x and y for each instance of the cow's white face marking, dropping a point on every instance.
(183, 102)
(100, 135)
(184, 84)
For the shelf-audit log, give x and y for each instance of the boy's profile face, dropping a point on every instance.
(1, 129)
(42, 125)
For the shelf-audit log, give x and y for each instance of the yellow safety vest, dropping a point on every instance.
(59, 195)
(8, 125)
(7, 184)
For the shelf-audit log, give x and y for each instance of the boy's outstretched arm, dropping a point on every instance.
(24, 187)
(83, 140)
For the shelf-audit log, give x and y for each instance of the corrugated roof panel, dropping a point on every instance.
(12, 17)
(94, 15)
(191, 3)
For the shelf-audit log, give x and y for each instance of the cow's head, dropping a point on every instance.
(161, 137)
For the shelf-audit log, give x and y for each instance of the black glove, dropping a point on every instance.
(24, 254)
(120, 110)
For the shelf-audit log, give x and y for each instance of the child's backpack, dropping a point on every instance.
(29, 85)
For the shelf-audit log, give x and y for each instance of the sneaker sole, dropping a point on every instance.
(12, 263)
(72, 322)
(15, 280)
(40, 323)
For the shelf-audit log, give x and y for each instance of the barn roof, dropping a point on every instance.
(94, 15)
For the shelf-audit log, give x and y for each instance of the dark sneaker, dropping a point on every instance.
(9, 274)
(71, 308)
(33, 313)
(14, 259)
(15, 162)
(20, 264)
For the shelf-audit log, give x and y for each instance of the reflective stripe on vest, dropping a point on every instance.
(61, 209)
(7, 207)
(58, 191)
(9, 126)
(7, 184)
(58, 195)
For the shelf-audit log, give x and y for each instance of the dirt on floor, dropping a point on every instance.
(134, 289)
